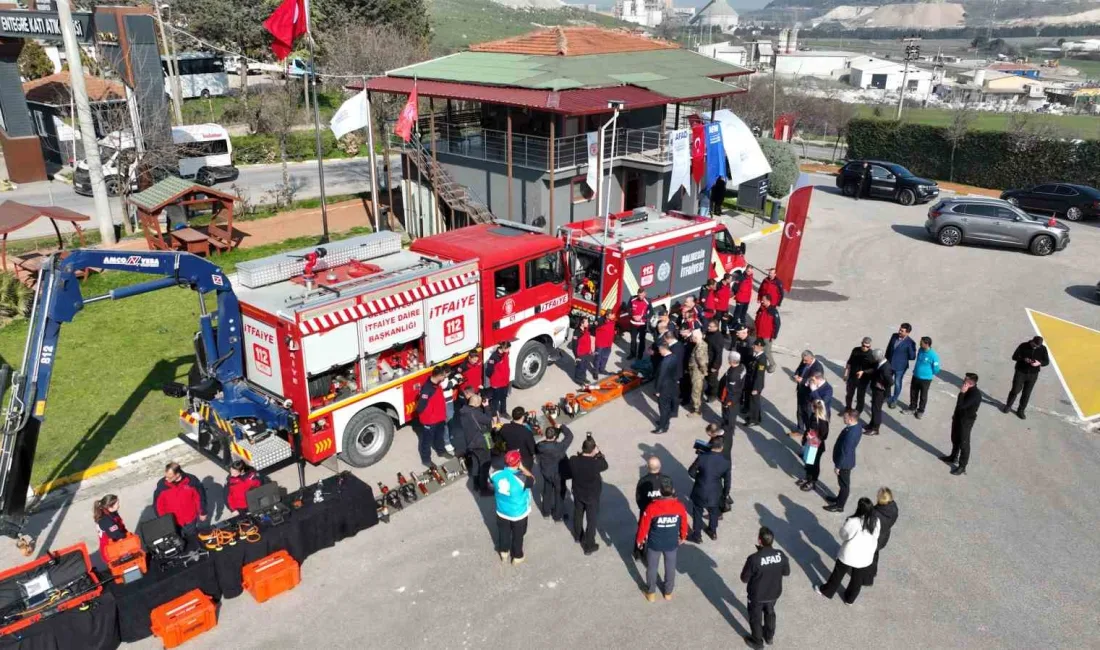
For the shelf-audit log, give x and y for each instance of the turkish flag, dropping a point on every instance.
(698, 151)
(407, 118)
(289, 21)
(798, 206)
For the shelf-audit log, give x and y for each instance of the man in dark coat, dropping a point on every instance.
(731, 393)
(962, 422)
(473, 444)
(517, 435)
(807, 368)
(857, 374)
(882, 381)
(755, 371)
(706, 493)
(1029, 356)
(844, 459)
(716, 344)
(763, 572)
(584, 471)
(887, 512)
(649, 486)
(667, 387)
(553, 455)
(717, 197)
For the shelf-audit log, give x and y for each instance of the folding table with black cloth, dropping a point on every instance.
(161, 584)
(93, 628)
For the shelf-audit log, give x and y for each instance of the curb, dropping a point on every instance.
(103, 468)
(762, 233)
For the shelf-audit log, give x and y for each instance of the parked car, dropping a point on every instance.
(888, 181)
(1073, 202)
(994, 221)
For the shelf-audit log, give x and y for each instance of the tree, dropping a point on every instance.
(33, 62)
(784, 166)
(277, 112)
(961, 119)
(236, 26)
(410, 17)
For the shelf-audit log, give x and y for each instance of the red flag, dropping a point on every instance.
(289, 21)
(698, 151)
(797, 208)
(407, 118)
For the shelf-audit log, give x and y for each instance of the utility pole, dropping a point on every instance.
(775, 86)
(170, 63)
(87, 127)
(912, 53)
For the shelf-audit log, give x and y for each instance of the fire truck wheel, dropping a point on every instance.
(532, 364)
(367, 438)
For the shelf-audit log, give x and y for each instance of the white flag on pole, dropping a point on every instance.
(353, 114)
(681, 162)
(593, 160)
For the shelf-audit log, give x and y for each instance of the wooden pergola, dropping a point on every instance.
(186, 196)
(14, 215)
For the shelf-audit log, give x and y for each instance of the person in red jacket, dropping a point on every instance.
(639, 309)
(767, 327)
(498, 372)
(242, 478)
(181, 495)
(605, 338)
(708, 299)
(473, 372)
(723, 294)
(583, 348)
(109, 523)
(664, 526)
(771, 287)
(431, 412)
(742, 296)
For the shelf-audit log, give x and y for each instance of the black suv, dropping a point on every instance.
(885, 180)
(1073, 202)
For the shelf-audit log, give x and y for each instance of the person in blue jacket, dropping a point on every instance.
(926, 367)
(512, 487)
(844, 459)
(899, 352)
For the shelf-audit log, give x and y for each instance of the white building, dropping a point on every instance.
(867, 72)
(647, 13)
(725, 52)
(716, 14)
(823, 64)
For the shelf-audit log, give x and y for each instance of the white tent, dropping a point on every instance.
(743, 153)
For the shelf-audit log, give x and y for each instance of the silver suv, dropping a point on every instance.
(993, 221)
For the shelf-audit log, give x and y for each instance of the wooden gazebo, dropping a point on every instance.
(176, 194)
(14, 215)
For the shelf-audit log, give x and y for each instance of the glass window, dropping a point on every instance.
(724, 243)
(981, 210)
(1006, 214)
(1045, 189)
(199, 149)
(1066, 190)
(547, 269)
(878, 172)
(506, 281)
(579, 190)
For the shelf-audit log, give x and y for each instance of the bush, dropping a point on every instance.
(983, 158)
(15, 298)
(784, 166)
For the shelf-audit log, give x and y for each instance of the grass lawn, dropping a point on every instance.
(1088, 68)
(105, 400)
(1079, 126)
(214, 109)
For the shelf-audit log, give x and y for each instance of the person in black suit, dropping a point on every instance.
(882, 381)
(962, 422)
(754, 383)
(706, 494)
(1029, 356)
(667, 387)
(857, 374)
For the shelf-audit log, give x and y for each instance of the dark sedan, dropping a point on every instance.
(1072, 202)
(885, 180)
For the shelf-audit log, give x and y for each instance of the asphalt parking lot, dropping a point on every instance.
(1001, 558)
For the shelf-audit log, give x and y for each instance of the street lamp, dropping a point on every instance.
(615, 105)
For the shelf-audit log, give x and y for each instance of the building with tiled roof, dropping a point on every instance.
(507, 122)
(50, 102)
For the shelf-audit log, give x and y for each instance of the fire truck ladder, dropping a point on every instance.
(458, 197)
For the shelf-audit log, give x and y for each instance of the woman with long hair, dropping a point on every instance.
(887, 512)
(108, 521)
(813, 445)
(858, 543)
(242, 478)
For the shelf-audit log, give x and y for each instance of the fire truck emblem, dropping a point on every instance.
(663, 271)
(509, 307)
(262, 357)
(645, 278)
(611, 270)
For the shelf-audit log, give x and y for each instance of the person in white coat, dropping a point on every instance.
(858, 543)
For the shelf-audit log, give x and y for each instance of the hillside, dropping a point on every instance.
(458, 23)
(930, 15)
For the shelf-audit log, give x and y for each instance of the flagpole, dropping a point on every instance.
(373, 163)
(317, 133)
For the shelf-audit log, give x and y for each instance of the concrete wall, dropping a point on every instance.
(811, 66)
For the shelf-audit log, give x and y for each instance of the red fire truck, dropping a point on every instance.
(670, 255)
(347, 339)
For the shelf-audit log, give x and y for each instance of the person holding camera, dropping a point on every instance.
(763, 572)
(585, 469)
(518, 436)
(661, 530)
(706, 494)
(552, 456)
(473, 441)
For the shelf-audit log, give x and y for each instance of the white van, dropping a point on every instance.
(205, 154)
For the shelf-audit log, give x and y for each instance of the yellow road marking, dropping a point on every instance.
(1075, 355)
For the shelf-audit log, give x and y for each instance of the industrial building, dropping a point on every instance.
(866, 72)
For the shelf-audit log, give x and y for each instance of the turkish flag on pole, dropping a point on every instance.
(408, 117)
(698, 151)
(289, 21)
(798, 206)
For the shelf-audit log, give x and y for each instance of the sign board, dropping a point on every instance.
(650, 271)
(261, 355)
(44, 25)
(691, 265)
(390, 328)
(454, 323)
(751, 193)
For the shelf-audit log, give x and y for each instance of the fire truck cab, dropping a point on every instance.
(671, 255)
(524, 289)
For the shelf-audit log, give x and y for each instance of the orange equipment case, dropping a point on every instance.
(123, 555)
(63, 598)
(184, 618)
(270, 576)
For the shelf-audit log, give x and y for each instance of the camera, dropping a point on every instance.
(701, 446)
